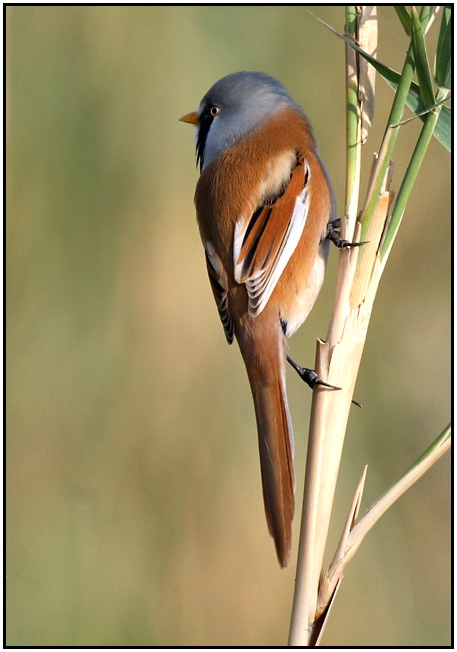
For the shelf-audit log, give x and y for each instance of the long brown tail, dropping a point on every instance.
(264, 358)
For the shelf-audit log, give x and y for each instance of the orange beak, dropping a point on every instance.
(192, 118)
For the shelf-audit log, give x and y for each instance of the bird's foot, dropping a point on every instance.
(334, 236)
(309, 375)
(311, 378)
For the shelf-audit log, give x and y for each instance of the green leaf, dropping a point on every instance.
(444, 124)
(443, 128)
(444, 51)
(426, 16)
(421, 60)
(414, 101)
(404, 17)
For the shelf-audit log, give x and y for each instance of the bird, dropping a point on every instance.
(266, 211)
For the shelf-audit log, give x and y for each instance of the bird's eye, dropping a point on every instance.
(214, 110)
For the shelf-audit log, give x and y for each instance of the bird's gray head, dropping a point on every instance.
(235, 106)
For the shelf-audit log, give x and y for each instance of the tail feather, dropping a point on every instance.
(276, 462)
(263, 353)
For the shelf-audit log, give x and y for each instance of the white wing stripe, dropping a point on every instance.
(260, 288)
(238, 238)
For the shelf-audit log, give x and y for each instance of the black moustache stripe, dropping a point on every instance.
(206, 120)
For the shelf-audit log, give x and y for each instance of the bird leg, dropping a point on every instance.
(309, 375)
(334, 236)
(311, 378)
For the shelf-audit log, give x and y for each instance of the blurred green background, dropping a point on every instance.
(134, 504)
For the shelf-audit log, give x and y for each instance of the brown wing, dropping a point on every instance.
(264, 243)
(219, 285)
